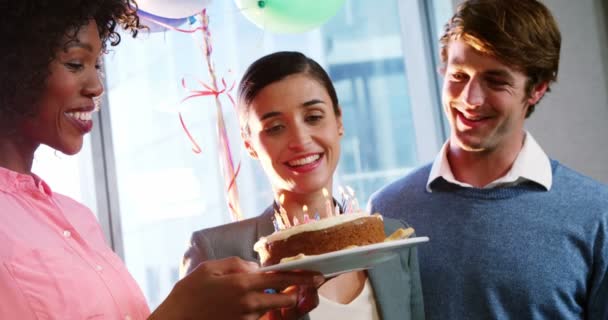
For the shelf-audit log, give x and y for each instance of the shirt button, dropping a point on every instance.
(98, 268)
(67, 233)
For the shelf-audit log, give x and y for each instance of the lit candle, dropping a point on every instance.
(317, 217)
(278, 221)
(295, 221)
(282, 211)
(275, 223)
(328, 207)
(306, 218)
(341, 190)
(355, 203)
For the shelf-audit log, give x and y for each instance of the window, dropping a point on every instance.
(380, 59)
(68, 175)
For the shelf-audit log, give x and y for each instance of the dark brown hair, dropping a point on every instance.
(32, 32)
(275, 67)
(522, 34)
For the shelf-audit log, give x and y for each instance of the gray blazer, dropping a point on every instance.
(396, 283)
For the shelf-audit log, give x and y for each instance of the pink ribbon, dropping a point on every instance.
(229, 172)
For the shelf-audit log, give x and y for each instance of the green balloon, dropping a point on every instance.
(288, 16)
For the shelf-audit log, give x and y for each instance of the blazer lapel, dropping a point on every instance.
(264, 223)
(263, 226)
(391, 284)
(389, 289)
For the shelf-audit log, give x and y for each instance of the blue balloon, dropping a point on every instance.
(173, 9)
(157, 23)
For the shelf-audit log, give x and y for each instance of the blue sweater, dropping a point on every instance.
(518, 252)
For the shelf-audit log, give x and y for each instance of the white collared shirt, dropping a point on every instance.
(531, 164)
(363, 307)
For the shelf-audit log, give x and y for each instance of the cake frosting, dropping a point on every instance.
(314, 226)
(321, 236)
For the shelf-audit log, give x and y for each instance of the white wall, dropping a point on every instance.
(571, 122)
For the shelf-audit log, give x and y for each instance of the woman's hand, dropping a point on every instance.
(307, 299)
(233, 289)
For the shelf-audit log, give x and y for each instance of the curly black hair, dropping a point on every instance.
(32, 31)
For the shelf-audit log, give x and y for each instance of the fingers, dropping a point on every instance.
(259, 302)
(258, 281)
(307, 300)
(226, 266)
(281, 280)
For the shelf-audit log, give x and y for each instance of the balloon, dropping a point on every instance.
(288, 16)
(158, 24)
(173, 9)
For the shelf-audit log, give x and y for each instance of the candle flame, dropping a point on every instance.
(305, 208)
(325, 193)
(350, 190)
(282, 198)
(278, 221)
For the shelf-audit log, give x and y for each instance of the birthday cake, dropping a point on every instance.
(316, 237)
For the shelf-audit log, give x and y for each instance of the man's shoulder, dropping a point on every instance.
(564, 175)
(413, 181)
(404, 190)
(578, 187)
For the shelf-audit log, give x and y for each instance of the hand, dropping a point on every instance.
(307, 299)
(233, 289)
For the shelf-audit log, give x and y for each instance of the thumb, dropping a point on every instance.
(226, 266)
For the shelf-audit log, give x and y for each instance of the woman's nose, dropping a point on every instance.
(93, 86)
(299, 138)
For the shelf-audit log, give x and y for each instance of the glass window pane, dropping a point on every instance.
(69, 175)
(365, 60)
(166, 191)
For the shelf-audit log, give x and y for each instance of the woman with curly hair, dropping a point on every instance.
(54, 263)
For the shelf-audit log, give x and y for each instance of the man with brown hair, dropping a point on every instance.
(514, 234)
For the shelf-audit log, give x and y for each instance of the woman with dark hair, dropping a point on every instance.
(292, 123)
(54, 261)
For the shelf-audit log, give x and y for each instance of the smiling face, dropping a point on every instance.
(64, 109)
(295, 133)
(484, 100)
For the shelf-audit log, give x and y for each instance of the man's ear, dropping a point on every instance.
(538, 92)
(247, 142)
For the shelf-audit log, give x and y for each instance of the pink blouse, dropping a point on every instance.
(54, 263)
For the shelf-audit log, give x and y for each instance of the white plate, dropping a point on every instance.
(359, 258)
